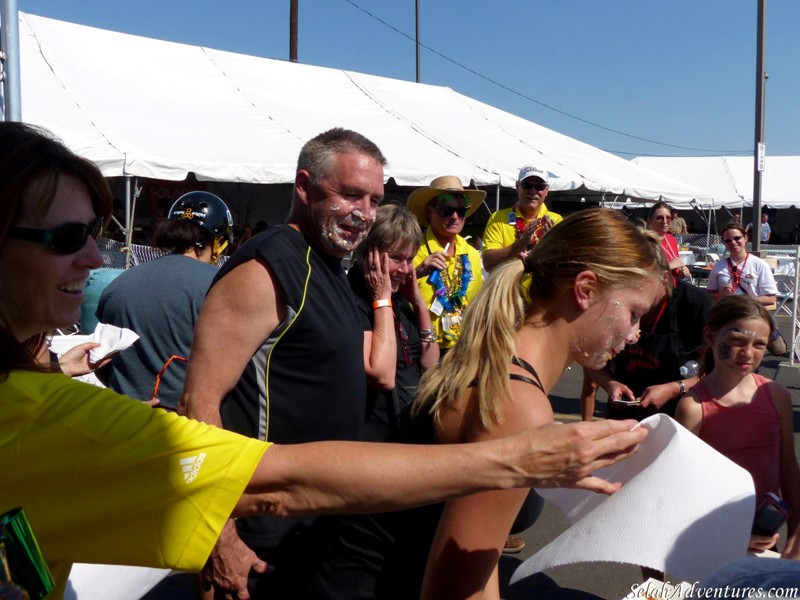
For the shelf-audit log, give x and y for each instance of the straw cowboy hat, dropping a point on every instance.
(419, 198)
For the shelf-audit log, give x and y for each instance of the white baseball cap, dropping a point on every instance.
(531, 170)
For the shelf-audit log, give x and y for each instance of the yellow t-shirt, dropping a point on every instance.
(499, 233)
(446, 337)
(106, 479)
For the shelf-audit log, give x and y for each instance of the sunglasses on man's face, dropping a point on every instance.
(532, 185)
(66, 238)
(449, 211)
(734, 238)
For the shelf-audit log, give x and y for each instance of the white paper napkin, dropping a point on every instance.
(684, 509)
(111, 582)
(111, 339)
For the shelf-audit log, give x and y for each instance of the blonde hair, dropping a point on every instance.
(598, 240)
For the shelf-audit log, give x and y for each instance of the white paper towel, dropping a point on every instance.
(683, 509)
(111, 582)
(112, 339)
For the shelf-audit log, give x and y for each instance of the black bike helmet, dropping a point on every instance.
(205, 209)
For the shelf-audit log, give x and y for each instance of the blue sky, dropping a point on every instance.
(678, 72)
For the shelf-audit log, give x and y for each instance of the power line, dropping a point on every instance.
(540, 103)
(713, 153)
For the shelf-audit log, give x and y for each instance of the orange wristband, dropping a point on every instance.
(381, 303)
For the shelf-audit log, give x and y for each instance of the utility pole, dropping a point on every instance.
(417, 41)
(759, 157)
(293, 30)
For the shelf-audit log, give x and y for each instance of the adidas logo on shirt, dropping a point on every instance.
(191, 466)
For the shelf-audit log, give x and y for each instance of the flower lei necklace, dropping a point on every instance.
(451, 289)
(521, 223)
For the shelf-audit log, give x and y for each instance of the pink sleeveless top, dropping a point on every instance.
(749, 435)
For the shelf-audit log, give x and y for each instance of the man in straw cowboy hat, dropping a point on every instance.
(448, 268)
(514, 231)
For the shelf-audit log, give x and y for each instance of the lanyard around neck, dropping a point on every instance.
(736, 271)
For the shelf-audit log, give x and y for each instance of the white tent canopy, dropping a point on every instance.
(143, 107)
(730, 178)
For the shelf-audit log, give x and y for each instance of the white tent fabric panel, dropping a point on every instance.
(594, 168)
(149, 108)
(729, 179)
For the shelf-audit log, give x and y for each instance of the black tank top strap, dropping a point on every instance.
(515, 360)
(536, 382)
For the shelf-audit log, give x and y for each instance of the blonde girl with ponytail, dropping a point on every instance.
(591, 279)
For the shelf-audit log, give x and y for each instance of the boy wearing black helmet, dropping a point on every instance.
(160, 299)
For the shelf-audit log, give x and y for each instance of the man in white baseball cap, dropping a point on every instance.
(513, 231)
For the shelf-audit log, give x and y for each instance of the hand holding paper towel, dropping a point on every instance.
(112, 339)
(684, 509)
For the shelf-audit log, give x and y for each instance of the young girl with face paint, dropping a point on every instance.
(744, 415)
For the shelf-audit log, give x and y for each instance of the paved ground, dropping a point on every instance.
(573, 582)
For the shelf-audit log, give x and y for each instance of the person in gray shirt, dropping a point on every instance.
(160, 299)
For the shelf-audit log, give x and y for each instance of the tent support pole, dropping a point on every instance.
(128, 228)
(9, 61)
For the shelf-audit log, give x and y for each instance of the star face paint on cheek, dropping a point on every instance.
(723, 350)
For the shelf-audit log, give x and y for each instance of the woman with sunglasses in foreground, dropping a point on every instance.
(105, 479)
(744, 273)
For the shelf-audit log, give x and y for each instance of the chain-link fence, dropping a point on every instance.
(115, 254)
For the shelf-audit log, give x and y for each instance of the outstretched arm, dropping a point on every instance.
(357, 477)
(658, 395)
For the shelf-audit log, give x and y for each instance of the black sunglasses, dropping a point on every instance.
(530, 185)
(66, 238)
(734, 238)
(447, 211)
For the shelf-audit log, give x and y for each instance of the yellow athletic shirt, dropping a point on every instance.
(106, 479)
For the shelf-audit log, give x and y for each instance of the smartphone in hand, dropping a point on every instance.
(771, 514)
(634, 402)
